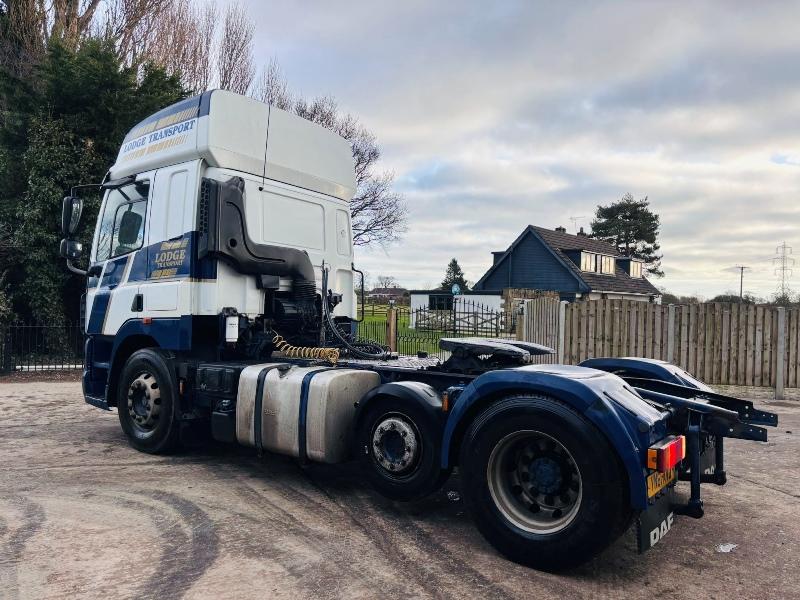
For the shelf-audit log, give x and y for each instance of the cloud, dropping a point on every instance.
(497, 115)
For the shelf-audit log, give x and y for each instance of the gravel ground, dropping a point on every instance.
(82, 515)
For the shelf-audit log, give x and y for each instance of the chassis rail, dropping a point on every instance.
(706, 418)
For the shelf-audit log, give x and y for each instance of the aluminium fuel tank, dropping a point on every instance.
(300, 411)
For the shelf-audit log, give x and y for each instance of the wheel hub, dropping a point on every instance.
(396, 445)
(144, 401)
(545, 475)
(534, 481)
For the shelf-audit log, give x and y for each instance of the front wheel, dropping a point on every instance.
(146, 402)
(541, 482)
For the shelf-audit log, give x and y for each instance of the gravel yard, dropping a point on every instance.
(82, 515)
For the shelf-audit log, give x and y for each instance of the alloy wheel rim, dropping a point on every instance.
(535, 482)
(144, 401)
(396, 445)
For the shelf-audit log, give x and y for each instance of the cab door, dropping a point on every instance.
(166, 290)
(118, 245)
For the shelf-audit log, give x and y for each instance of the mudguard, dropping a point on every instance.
(647, 368)
(629, 423)
(410, 391)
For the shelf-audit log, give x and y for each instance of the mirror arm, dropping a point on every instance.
(75, 269)
(83, 187)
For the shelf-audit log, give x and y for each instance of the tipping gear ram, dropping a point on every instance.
(220, 297)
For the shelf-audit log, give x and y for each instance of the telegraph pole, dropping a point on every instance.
(741, 279)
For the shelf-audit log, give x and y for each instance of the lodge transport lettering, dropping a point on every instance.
(169, 258)
(159, 135)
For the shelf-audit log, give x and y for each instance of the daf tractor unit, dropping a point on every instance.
(220, 299)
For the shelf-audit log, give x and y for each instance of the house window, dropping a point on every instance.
(607, 265)
(598, 263)
(588, 261)
(440, 302)
(636, 269)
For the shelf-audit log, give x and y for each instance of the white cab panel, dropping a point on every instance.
(304, 154)
(236, 132)
(161, 296)
(288, 220)
(284, 215)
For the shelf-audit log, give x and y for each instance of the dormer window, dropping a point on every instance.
(636, 269)
(588, 262)
(598, 263)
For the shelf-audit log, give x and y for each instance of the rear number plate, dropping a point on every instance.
(658, 481)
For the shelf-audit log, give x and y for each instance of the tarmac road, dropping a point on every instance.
(83, 515)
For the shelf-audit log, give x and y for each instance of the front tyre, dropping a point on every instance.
(541, 482)
(146, 402)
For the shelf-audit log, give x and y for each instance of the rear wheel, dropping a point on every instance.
(146, 402)
(542, 483)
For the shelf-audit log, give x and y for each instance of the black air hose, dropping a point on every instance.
(373, 351)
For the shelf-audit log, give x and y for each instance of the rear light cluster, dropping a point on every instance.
(667, 453)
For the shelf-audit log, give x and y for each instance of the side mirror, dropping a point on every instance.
(71, 215)
(70, 249)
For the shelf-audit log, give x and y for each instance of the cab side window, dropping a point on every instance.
(122, 226)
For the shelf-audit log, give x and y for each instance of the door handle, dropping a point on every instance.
(138, 303)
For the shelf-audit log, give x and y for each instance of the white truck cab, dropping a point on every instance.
(219, 209)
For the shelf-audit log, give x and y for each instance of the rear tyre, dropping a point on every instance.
(541, 482)
(399, 445)
(146, 402)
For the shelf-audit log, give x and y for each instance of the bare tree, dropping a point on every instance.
(272, 88)
(386, 281)
(186, 50)
(30, 24)
(132, 25)
(178, 35)
(378, 212)
(235, 58)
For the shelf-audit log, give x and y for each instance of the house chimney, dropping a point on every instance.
(561, 229)
(582, 232)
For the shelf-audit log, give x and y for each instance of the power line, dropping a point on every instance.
(784, 264)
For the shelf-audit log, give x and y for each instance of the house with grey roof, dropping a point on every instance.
(575, 266)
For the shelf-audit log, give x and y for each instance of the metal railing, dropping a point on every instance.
(420, 329)
(41, 347)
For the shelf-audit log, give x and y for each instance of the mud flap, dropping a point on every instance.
(655, 522)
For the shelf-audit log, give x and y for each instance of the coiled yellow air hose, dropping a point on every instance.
(329, 354)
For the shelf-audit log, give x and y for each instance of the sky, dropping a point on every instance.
(496, 115)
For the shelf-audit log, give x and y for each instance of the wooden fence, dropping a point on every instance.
(721, 343)
(540, 324)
